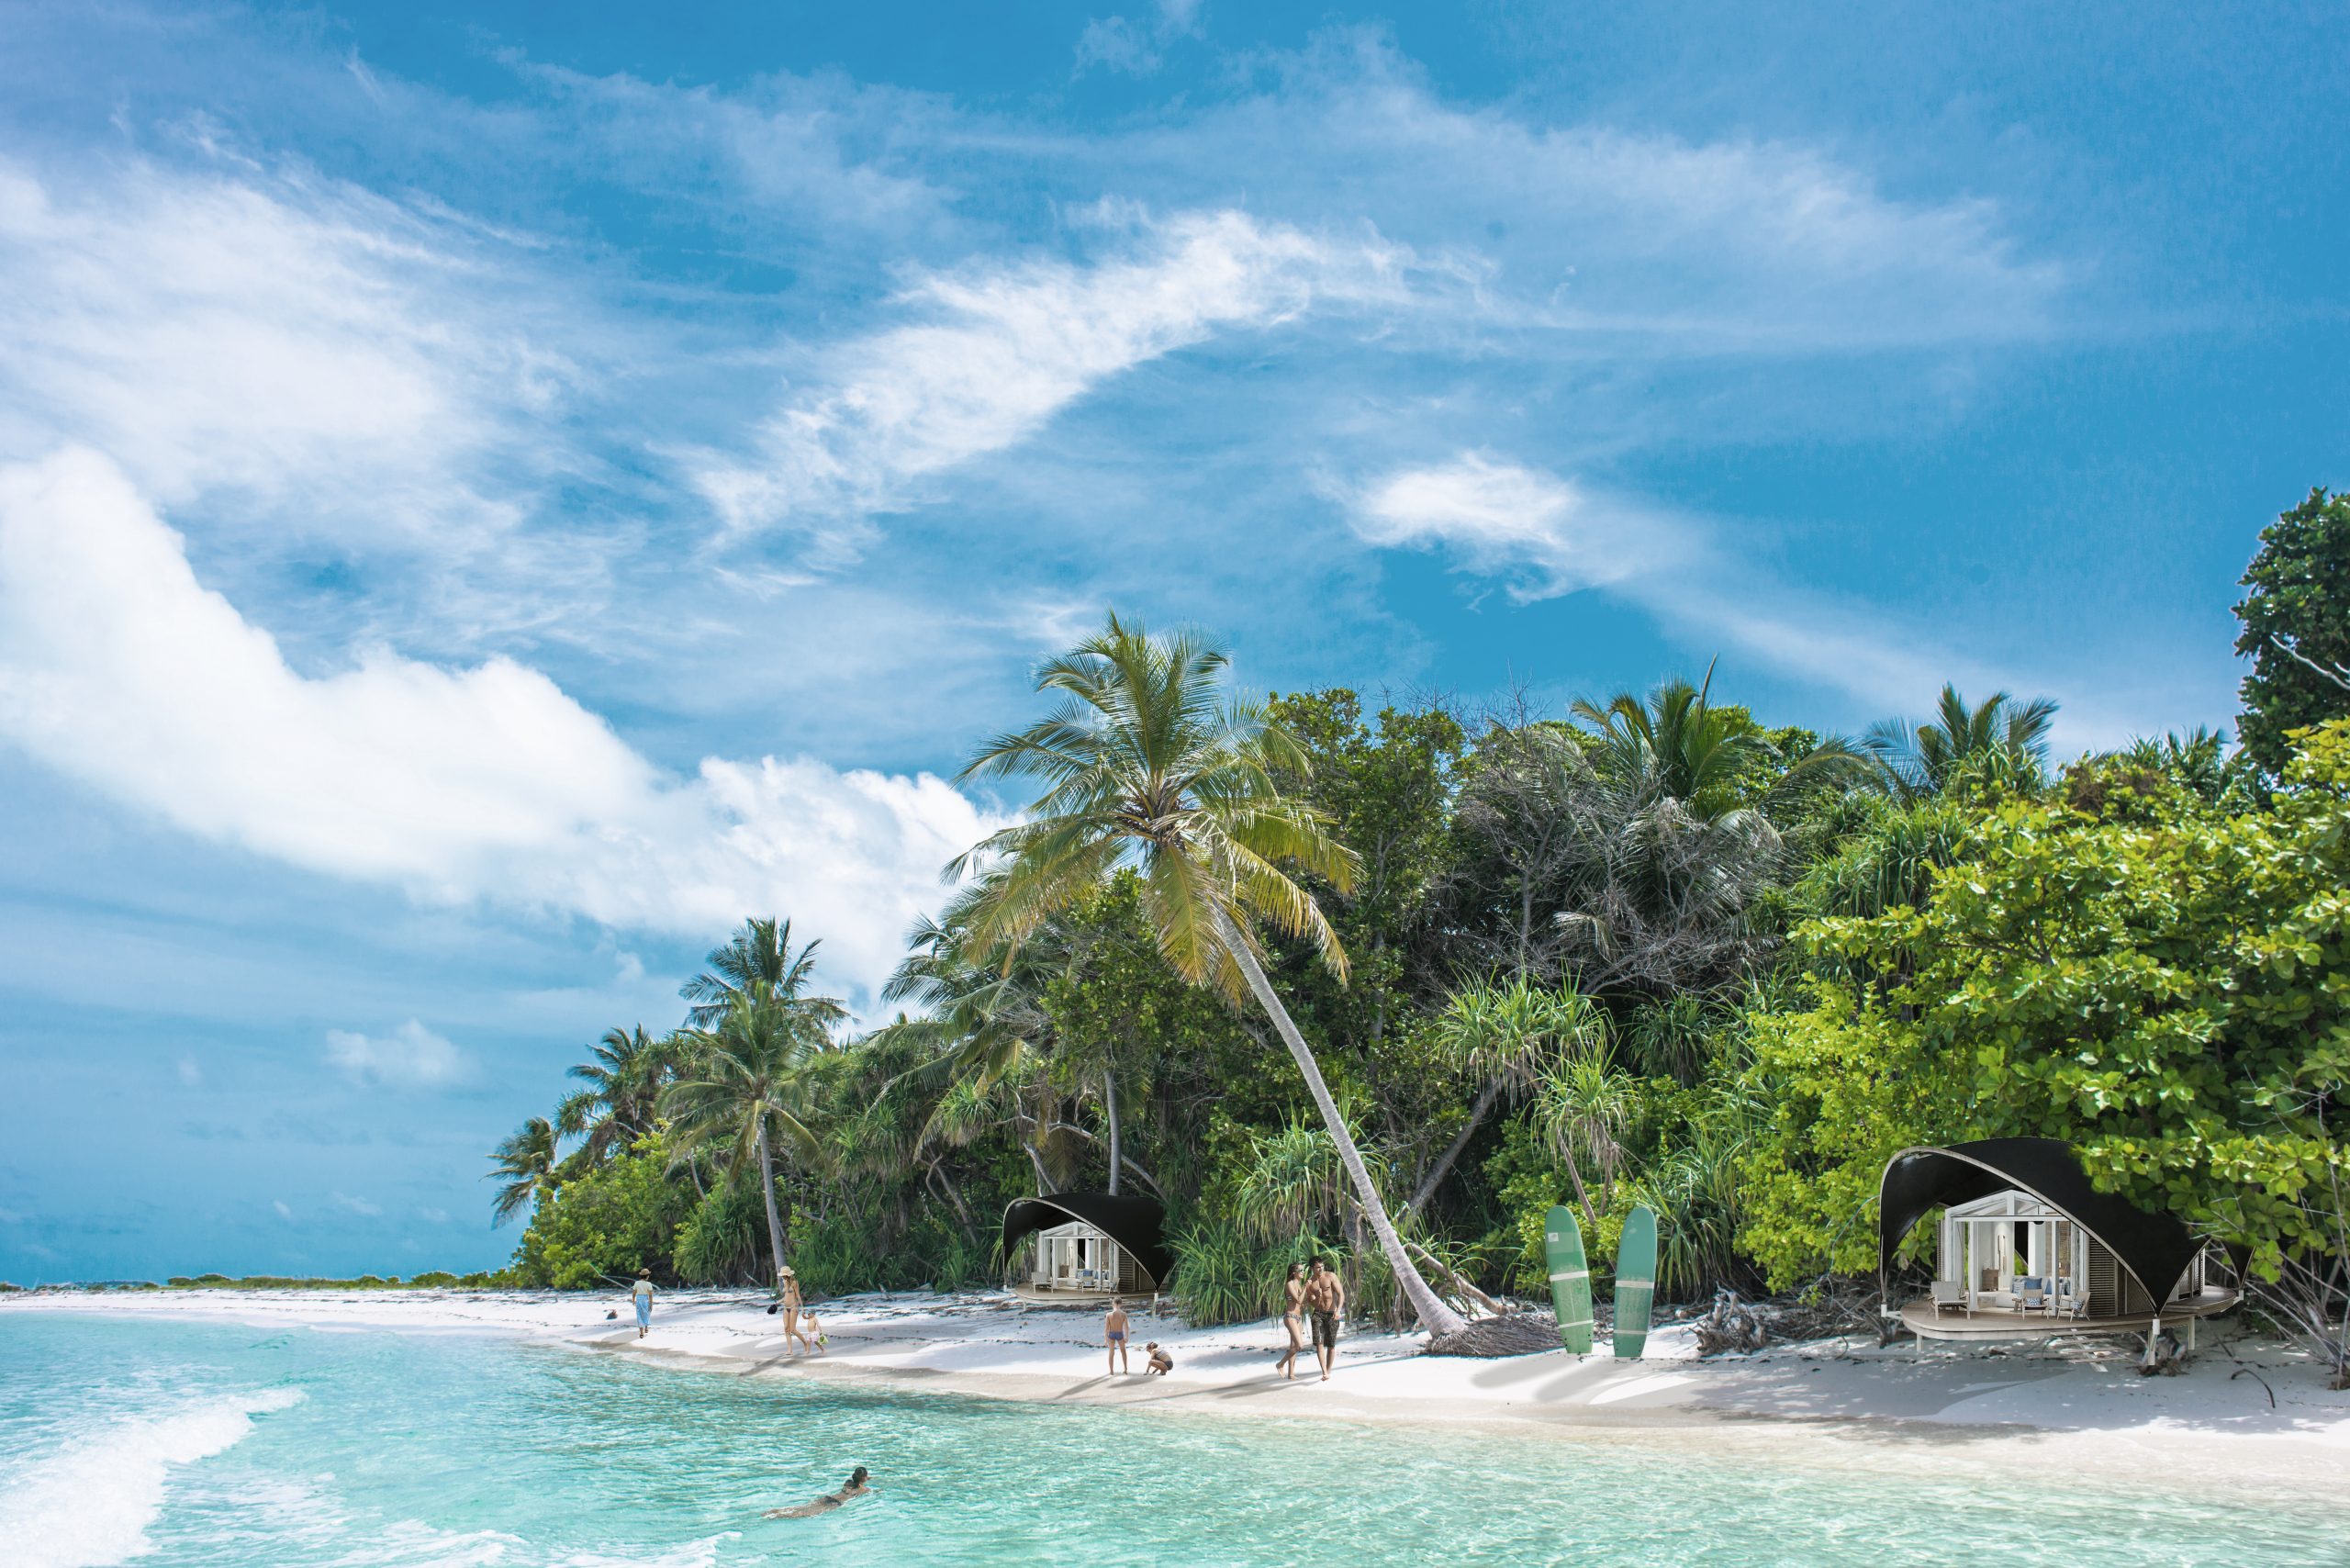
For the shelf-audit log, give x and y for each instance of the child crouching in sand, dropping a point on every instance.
(1161, 1361)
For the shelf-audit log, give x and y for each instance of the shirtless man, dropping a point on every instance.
(827, 1503)
(1113, 1334)
(1324, 1298)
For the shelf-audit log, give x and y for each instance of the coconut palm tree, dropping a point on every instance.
(757, 963)
(1998, 740)
(1146, 762)
(749, 1077)
(525, 1163)
(623, 1076)
(1715, 762)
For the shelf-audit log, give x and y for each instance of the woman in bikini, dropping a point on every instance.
(791, 1304)
(1293, 1319)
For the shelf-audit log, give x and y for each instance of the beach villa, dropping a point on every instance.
(1075, 1248)
(2027, 1248)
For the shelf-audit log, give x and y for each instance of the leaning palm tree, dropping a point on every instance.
(1999, 739)
(525, 1163)
(1146, 762)
(748, 1081)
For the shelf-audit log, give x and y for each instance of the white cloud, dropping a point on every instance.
(433, 1216)
(356, 1205)
(283, 1213)
(191, 1072)
(1546, 536)
(1499, 518)
(117, 667)
(1004, 347)
(1135, 49)
(410, 1056)
(256, 333)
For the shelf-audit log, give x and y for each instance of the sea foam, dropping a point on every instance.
(88, 1504)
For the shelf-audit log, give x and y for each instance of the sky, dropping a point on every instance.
(492, 495)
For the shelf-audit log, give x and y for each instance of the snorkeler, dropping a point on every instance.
(856, 1487)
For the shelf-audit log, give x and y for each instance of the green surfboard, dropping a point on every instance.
(1635, 1284)
(1569, 1278)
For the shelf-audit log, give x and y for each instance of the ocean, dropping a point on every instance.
(142, 1441)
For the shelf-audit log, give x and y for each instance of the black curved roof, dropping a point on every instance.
(1138, 1225)
(2153, 1245)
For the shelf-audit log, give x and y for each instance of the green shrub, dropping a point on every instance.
(605, 1225)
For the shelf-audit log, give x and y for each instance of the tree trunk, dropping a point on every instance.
(1435, 1315)
(766, 1191)
(1110, 1109)
(1485, 1098)
(1044, 1182)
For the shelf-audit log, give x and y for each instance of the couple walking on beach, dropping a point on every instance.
(1317, 1295)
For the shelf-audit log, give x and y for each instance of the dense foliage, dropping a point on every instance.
(1383, 987)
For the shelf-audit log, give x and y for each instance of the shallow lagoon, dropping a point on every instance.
(192, 1443)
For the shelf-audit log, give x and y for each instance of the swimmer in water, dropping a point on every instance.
(856, 1487)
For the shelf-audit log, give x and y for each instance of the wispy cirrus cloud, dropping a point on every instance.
(998, 348)
(1542, 536)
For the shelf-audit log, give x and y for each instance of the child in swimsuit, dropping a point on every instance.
(1113, 1334)
(1161, 1361)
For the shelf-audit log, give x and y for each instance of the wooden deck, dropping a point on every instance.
(2013, 1322)
(1029, 1296)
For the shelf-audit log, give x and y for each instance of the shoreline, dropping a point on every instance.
(1831, 1403)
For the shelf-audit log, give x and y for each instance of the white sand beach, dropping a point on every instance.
(2082, 1406)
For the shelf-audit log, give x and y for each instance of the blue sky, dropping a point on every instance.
(490, 495)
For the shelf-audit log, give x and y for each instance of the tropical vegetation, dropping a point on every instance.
(1385, 986)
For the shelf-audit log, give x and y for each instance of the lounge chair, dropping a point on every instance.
(1950, 1293)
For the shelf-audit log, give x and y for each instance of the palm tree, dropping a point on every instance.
(1146, 762)
(748, 1073)
(1676, 745)
(757, 963)
(624, 1078)
(525, 1163)
(2001, 740)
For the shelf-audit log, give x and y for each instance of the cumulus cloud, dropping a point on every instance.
(489, 783)
(999, 349)
(284, 1212)
(410, 1056)
(349, 1204)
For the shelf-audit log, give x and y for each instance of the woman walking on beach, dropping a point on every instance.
(644, 1293)
(789, 1282)
(1293, 1319)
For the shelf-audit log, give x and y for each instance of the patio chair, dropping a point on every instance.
(2030, 1297)
(1950, 1293)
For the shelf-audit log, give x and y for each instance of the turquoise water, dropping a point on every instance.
(180, 1443)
